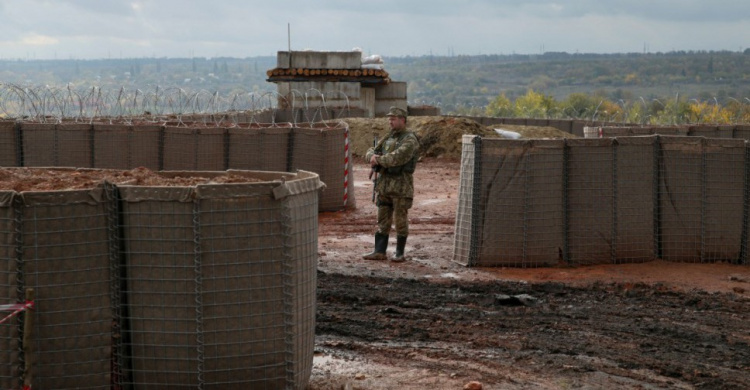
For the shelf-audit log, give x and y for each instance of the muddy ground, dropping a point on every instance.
(430, 323)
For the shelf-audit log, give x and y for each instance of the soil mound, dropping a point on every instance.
(440, 136)
(53, 179)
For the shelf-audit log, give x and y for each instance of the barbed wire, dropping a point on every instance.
(53, 104)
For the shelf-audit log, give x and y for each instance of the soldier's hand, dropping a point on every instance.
(374, 160)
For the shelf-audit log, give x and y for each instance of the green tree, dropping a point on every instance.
(533, 105)
(579, 105)
(636, 114)
(500, 106)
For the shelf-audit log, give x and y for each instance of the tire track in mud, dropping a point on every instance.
(506, 332)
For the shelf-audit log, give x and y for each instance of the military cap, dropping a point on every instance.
(395, 111)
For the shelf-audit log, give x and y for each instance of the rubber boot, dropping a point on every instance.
(381, 244)
(398, 257)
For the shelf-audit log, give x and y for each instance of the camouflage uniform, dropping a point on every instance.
(395, 185)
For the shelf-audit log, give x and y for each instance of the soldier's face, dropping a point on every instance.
(396, 122)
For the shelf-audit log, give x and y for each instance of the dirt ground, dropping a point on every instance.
(56, 179)
(430, 323)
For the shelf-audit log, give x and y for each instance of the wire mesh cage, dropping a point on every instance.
(150, 286)
(322, 148)
(602, 200)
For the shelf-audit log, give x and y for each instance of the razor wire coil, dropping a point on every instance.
(48, 104)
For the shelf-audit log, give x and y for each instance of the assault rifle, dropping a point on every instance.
(374, 170)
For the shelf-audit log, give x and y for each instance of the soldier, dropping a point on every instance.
(394, 158)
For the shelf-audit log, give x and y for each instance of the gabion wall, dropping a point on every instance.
(604, 200)
(196, 146)
(209, 286)
(596, 129)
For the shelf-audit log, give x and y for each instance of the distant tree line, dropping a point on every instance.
(655, 87)
(463, 84)
(678, 110)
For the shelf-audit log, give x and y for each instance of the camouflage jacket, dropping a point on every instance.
(397, 163)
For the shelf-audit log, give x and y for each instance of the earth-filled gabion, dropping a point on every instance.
(148, 286)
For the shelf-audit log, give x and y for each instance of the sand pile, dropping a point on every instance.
(440, 136)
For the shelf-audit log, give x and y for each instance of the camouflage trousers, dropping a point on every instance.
(393, 210)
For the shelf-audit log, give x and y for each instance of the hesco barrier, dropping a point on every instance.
(320, 148)
(723, 131)
(598, 201)
(598, 129)
(209, 286)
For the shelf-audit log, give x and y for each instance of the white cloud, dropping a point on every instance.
(179, 28)
(39, 40)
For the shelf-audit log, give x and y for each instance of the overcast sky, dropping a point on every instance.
(94, 29)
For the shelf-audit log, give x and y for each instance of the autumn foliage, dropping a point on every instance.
(642, 111)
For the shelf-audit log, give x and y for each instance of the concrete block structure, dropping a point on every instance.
(332, 80)
(319, 59)
(392, 94)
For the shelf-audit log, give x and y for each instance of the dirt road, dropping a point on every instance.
(432, 324)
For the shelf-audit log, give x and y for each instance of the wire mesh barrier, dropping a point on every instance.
(702, 130)
(207, 286)
(120, 146)
(319, 147)
(54, 104)
(605, 200)
(603, 129)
